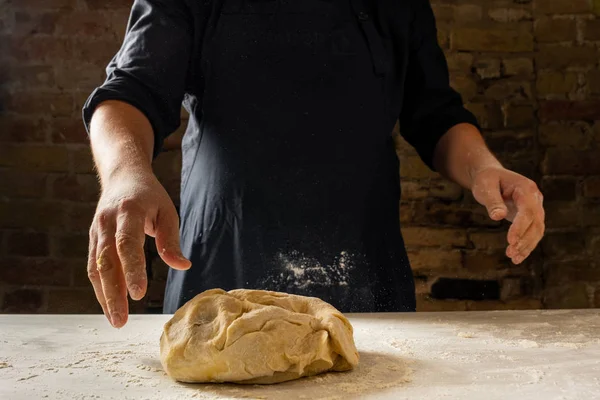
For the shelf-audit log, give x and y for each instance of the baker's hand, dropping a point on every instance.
(130, 206)
(508, 195)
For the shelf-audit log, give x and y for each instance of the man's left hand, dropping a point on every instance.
(508, 195)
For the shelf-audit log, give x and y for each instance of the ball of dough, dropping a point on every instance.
(255, 336)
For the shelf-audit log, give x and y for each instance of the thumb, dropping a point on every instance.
(167, 239)
(488, 194)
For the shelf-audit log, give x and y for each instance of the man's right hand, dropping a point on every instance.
(132, 204)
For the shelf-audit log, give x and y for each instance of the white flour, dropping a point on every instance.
(300, 272)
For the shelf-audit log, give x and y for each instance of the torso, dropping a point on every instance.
(290, 179)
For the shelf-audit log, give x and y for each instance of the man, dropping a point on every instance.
(289, 178)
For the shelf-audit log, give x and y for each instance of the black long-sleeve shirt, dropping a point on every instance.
(290, 178)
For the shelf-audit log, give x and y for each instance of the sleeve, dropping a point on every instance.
(150, 69)
(431, 107)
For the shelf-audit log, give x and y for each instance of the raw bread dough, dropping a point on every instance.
(255, 336)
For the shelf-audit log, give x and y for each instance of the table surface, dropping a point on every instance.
(475, 355)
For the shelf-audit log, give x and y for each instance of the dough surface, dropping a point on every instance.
(255, 337)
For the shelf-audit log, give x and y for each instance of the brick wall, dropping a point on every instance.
(529, 69)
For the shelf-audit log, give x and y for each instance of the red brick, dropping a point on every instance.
(559, 189)
(452, 215)
(489, 240)
(556, 83)
(569, 296)
(590, 214)
(563, 271)
(443, 38)
(562, 246)
(406, 212)
(459, 62)
(434, 237)
(425, 260)
(73, 245)
(34, 244)
(84, 23)
(33, 103)
(576, 135)
(23, 184)
(41, 49)
(509, 14)
(561, 57)
(517, 66)
(73, 301)
(489, 116)
(79, 217)
(413, 190)
(173, 141)
(519, 304)
(592, 29)
(504, 90)
(457, 13)
(491, 40)
(519, 116)
(593, 81)
(80, 77)
(21, 129)
(23, 301)
(79, 271)
(76, 188)
(108, 4)
(445, 190)
(34, 215)
(561, 214)
(427, 304)
(464, 85)
(414, 168)
(44, 4)
(167, 164)
(35, 158)
(83, 162)
(557, 110)
(562, 7)
(523, 165)
(97, 51)
(35, 271)
(31, 76)
(484, 263)
(551, 30)
(597, 298)
(31, 23)
(510, 142)
(68, 130)
(591, 187)
(570, 162)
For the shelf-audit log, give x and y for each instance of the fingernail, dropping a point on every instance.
(135, 290)
(116, 318)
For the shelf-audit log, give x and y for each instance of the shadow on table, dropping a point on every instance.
(376, 373)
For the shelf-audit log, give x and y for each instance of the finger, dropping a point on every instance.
(167, 239)
(487, 192)
(111, 273)
(129, 239)
(529, 242)
(528, 206)
(93, 274)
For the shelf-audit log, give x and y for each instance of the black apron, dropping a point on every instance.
(290, 178)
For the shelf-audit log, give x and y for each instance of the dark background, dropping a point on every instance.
(529, 70)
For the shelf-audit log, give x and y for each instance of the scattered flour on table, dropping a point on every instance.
(466, 335)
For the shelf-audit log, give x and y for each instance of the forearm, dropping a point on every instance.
(462, 152)
(121, 139)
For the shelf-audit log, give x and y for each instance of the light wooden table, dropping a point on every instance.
(476, 355)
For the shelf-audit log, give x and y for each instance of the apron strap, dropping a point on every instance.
(374, 40)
